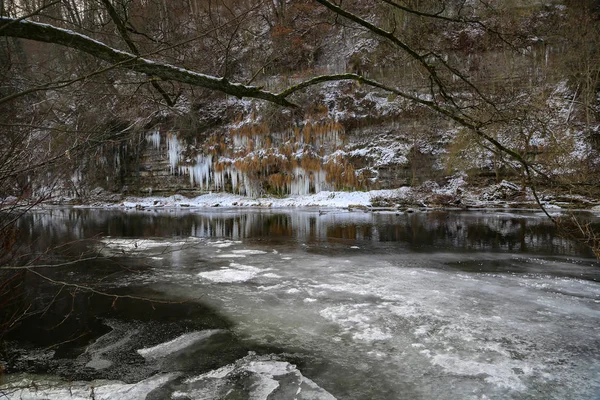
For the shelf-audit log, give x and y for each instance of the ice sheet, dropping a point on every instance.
(410, 316)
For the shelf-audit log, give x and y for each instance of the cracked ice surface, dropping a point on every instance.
(400, 320)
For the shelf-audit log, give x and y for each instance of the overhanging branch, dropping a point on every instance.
(125, 36)
(51, 34)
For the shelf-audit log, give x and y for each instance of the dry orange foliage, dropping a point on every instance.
(312, 139)
(341, 174)
(279, 180)
(311, 163)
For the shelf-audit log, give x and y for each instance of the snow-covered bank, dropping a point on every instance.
(321, 199)
(455, 194)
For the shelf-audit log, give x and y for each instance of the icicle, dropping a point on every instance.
(175, 149)
(154, 139)
(200, 172)
(320, 182)
(300, 184)
(234, 181)
(218, 179)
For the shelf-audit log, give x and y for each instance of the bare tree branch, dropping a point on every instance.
(123, 32)
(422, 59)
(463, 121)
(36, 12)
(51, 34)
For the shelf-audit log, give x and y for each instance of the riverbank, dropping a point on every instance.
(455, 194)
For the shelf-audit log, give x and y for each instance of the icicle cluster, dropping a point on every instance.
(174, 149)
(153, 138)
(200, 172)
(252, 160)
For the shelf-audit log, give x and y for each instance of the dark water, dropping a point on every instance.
(515, 232)
(389, 288)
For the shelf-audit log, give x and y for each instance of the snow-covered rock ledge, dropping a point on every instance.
(455, 194)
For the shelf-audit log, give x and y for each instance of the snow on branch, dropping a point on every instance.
(50, 34)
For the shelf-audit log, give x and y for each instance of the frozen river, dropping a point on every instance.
(317, 305)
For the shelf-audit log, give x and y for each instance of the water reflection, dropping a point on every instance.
(525, 232)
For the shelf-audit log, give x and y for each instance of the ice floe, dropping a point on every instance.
(253, 377)
(235, 273)
(223, 243)
(119, 246)
(248, 252)
(37, 389)
(177, 344)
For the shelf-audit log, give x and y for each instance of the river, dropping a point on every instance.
(304, 304)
